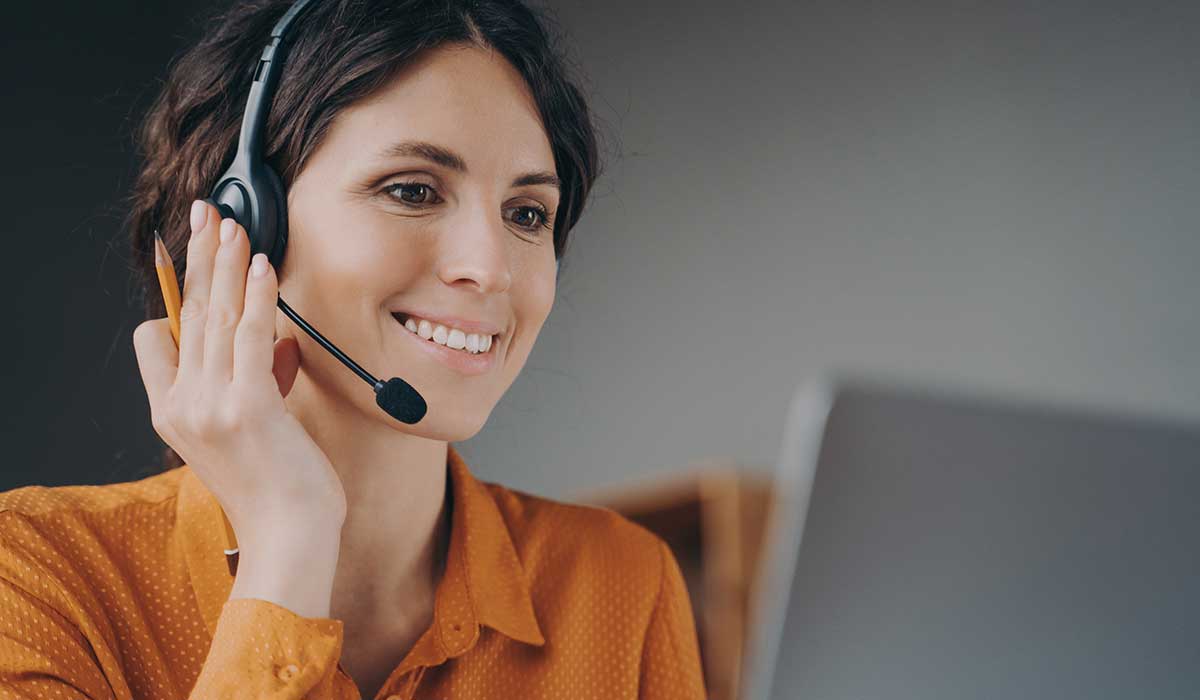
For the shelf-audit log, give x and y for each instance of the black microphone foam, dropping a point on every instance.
(400, 401)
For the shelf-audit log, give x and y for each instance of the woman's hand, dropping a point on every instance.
(218, 402)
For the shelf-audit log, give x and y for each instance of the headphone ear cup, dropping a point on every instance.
(273, 189)
(252, 194)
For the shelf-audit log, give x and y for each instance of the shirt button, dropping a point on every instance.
(288, 672)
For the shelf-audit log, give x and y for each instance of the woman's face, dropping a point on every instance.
(380, 226)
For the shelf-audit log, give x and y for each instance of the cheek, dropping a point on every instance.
(537, 300)
(357, 257)
(544, 290)
(337, 274)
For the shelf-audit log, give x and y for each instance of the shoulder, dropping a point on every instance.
(582, 556)
(45, 527)
(542, 526)
(72, 566)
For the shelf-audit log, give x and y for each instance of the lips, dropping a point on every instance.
(467, 363)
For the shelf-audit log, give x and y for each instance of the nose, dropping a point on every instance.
(475, 250)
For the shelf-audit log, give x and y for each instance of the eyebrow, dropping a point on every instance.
(452, 161)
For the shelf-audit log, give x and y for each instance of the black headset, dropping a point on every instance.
(251, 193)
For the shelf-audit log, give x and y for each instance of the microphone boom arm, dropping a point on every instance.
(333, 349)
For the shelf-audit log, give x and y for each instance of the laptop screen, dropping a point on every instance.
(960, 548)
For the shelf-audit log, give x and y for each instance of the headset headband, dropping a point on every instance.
(266, 75)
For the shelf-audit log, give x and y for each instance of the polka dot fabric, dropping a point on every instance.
(122, 591)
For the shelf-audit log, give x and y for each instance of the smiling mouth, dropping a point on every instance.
(491, 341)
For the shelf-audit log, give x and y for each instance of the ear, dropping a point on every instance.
(287, 363)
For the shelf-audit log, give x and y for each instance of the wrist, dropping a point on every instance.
(291, 565)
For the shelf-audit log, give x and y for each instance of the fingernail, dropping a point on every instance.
(258, 266)
(227, 230)
(199, 215)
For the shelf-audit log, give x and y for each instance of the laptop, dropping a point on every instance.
(932, 544)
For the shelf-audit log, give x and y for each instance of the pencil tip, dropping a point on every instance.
(160, 251)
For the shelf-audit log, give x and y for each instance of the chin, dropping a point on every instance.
(446, 425)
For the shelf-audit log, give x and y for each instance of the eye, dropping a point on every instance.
(539, 218)
(403, 187)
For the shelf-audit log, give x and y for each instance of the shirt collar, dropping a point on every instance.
(483, 582)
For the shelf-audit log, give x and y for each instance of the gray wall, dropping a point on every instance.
(1000, 196)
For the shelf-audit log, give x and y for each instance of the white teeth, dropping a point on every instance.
(452, 338)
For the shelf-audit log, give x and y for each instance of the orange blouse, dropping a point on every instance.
(121, 591)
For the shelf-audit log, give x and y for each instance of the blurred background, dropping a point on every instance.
(1001, 196)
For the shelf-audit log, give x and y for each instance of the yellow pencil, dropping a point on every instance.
(170, 291)
(169, 284)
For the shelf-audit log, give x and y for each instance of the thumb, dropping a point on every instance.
(286, 364)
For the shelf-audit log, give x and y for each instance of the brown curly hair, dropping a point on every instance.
(340, 52)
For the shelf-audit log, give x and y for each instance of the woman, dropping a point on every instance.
(372, 563)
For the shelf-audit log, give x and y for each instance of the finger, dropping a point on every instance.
(226, 301)
(197, 281)
(253, 350)
(157, 359)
